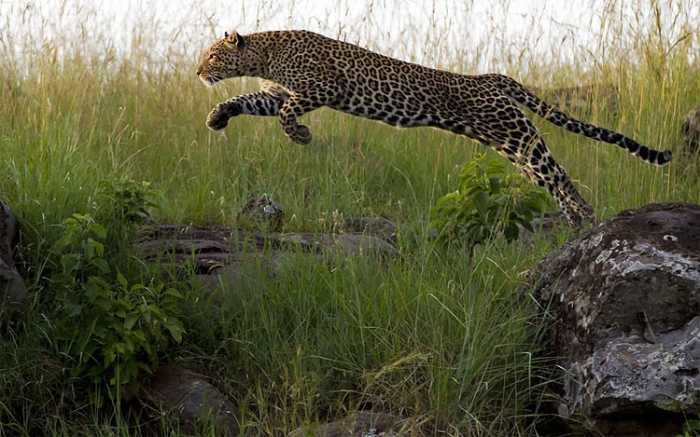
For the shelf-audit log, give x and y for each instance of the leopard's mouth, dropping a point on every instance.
(210, 79)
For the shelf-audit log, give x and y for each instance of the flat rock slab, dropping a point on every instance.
(189, 397)
(380, 227)
(624, 302)
(361, 424)
(13, 291)
(217, 254)
(344, 244)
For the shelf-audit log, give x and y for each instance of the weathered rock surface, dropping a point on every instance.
(362, 424)
(189, 397)
(376, 226)
(346, 244)
(13, 292)
(218, 255)
(624, 300)
(691, 130)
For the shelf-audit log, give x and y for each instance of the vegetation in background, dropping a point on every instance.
(432, 334)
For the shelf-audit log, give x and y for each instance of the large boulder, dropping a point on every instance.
(13, 292)
(624, 303)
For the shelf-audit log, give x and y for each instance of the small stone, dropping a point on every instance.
(262, 212)
(187, 395)
(13, 292)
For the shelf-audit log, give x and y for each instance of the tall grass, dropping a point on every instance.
(432, 334)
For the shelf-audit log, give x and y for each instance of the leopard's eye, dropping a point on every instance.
(212, 57)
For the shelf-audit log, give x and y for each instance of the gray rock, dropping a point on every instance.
(624, 300)
(345, 244)
(219, 256)
(362, 424)
(691, 130)
(13, 292)
(241, 268)
(190, 398)
(375, 226)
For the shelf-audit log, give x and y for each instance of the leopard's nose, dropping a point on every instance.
(199, 71)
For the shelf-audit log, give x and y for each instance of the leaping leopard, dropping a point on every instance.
(303, 71)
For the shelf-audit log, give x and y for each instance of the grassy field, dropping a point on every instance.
(432, 334)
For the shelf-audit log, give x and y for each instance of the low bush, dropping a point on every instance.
(491, 200)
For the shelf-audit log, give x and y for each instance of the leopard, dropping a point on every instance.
(301, 71)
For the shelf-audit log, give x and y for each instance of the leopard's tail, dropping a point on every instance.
(524, 97)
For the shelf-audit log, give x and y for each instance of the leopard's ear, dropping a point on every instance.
(234, 39)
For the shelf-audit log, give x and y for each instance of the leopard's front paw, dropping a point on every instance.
(218, 118)
(302, 135)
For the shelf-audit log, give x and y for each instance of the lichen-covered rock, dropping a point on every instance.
(691, 130)
(624, 300)
(189, 397)
(13, 292)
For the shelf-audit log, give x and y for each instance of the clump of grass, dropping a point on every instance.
(433, 334)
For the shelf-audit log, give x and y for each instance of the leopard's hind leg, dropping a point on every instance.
(517, 139)
(528, 151)
(540, 167)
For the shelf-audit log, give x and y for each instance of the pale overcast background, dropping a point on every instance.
(429, 31)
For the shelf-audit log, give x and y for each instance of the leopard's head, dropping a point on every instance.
(230, 56)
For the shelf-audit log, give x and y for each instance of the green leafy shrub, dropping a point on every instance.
(118, 330)
(490, 200)
(127, 200)
(110, 329)
(691, 429)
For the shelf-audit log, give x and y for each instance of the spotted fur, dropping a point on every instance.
(303, 71)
